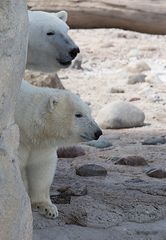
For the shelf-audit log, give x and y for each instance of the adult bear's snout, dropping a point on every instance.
(73, 52)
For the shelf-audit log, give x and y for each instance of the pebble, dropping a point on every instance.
(155, 98)
(91, 170)
(131, 161)
(75, 216)
(120, 115)
(117, 90)
(65, 193)
(77, 64)
(156, 172)
(75, 189)
(153, 78)
(138, 78)
(70, 152)
(100, 143)
(60, 199)
(154, 140)
(147, 47)
(134, 99)
(138, 67)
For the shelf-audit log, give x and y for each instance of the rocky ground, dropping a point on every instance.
(130, 201)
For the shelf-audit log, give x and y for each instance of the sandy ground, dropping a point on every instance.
(126, 204)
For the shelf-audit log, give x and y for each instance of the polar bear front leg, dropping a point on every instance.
(40, 172)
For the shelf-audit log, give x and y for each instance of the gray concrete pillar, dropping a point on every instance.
(15, 212)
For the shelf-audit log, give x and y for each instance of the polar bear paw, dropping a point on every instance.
(49, 210)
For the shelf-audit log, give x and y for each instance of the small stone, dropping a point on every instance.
(138, 67)
(114, 159)
(138, 78)
(55, 82)
(135, 180)
(77, 216)
(148, 47)
(100, 143)
(91, 170)
(154, 141)
(63, 189)
(120, 114)
(131, 161)
(77, 64)
(121, 35)
(75, 189)
(88, 103)
(153, 78)
(156, 172)
(116, 90)
(60, 199)
(32, 76)
(70, 152)
(134, 53)
(134, 99)
(155, 98)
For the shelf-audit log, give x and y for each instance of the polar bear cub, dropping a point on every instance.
(48, 119)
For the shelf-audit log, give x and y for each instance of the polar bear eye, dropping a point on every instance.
(78, 115)
(51, 33)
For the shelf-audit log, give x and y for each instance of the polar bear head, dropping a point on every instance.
(50, 48)
(69, 119)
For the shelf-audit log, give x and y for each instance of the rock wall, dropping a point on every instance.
(15, 212)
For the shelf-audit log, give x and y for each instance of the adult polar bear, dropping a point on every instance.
(50, 48)
(48, 119)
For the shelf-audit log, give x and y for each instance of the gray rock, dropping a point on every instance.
(70, 152)
(138, 78)
(91, 170)
(114, 159)
(154, 141)
(100, 143)
(156, 172)
(131, 161)
(60, 199)
(77, 217)
(120, 115)
(75, 189)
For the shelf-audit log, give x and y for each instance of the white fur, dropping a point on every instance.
(49, 53)
(48, 118)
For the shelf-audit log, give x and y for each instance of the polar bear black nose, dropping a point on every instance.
(98, 134)
(73, 53)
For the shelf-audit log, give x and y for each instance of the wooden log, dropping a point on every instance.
(143, 16)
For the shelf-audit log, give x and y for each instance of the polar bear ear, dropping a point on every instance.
(62, 15)
(52, 102)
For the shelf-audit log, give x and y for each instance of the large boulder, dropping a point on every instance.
(120, 115)
(15, 212)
